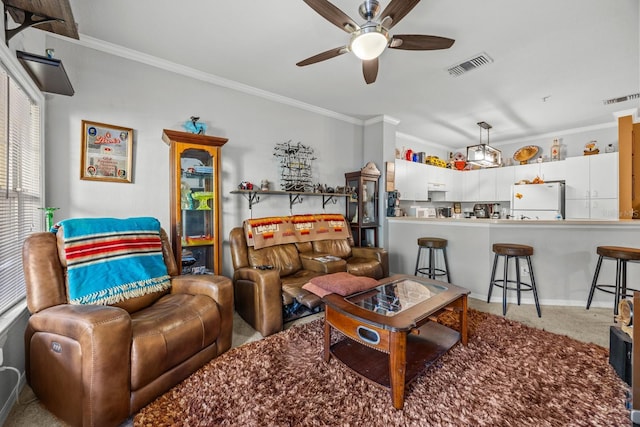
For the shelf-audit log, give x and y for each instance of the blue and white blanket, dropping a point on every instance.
(110, 260)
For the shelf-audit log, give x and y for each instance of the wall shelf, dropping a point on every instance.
(253, 196)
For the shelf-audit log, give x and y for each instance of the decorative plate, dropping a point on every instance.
(525, 153)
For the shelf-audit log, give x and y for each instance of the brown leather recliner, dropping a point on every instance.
(97, 365)
(261, 294)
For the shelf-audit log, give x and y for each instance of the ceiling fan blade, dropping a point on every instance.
(420, 42)
(334, 15)
(331, 53)
(396, 10)
(370, 70)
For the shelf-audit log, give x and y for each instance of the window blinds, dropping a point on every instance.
(20, 184)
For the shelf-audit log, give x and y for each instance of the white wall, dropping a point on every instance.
(118, 91)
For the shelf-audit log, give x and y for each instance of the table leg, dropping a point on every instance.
(397, 367)
(463, 321)
(327, 336)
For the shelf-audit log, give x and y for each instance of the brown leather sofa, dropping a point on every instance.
(96, 365)
(263, 294)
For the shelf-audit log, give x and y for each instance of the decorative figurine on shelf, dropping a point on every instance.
(264, 185)
(555, 150)
(459, 161)
(194, 127)
(245, 185)
(48, 217)
(591, 148)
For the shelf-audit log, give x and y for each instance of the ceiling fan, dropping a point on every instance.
(370, 39)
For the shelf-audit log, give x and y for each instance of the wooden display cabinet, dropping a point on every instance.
(362, 207)
(195, 162)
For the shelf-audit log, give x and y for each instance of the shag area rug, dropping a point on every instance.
(508, 375)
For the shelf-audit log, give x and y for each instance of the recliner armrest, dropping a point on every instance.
(258, 298)
(379, 254)
(220, 289)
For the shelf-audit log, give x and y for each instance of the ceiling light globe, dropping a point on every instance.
(369, 43)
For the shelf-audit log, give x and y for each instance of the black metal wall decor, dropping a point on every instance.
(295, 166)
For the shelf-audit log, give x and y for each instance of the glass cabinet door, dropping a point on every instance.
(198, 228)
(362, 205)
(352, 205)
(195, 201)
(369, 205)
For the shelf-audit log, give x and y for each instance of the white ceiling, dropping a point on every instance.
(573, 53)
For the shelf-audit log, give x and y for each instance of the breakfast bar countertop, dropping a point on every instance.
(564, 256)
(516, 222)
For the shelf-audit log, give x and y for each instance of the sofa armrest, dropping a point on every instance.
(91, 355)
(218, 288)
(309, 262)
(258, 298)
(379, 254)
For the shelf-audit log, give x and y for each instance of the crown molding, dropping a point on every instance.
(153, 61)
(382, 118)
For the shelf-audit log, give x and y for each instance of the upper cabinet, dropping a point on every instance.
(195, 162)
(591, 189)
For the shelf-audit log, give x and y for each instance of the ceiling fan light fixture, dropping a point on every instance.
(369, 42)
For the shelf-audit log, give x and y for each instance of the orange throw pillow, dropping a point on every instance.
(342, 283)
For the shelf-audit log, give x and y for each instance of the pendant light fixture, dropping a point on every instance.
(483, 154)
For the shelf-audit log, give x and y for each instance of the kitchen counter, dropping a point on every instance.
(486, 221)
(564, 256)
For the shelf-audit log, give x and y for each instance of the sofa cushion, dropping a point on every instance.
(283, 258)
(339, 248)
(170, 331)
(339, 283)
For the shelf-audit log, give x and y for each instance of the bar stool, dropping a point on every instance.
(622, 255)
(432, 244)
(509, 251)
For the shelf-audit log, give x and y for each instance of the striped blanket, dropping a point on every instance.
(110, 260)
(271, 231)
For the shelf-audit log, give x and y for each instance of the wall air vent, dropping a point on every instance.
(470, 64)
(621, 99)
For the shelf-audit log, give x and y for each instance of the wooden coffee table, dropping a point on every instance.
(392, 335)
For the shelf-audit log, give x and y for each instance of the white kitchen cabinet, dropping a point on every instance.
(505, 178)
(577, 209)
(603, 176)
(411, 180)
(592, 187)
(470, 185)
(487, 185)
(454, 185)
(577, 178)
(553, 171)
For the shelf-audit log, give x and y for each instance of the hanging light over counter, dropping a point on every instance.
(483, 154)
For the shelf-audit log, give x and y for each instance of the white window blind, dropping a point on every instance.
(20, 184)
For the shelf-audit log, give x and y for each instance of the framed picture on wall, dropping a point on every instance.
(107, 152)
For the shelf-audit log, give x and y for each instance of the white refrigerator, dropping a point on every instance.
(538, 201)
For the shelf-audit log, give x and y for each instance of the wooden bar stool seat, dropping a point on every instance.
(515, 251)
(622, 255)
(431, 244)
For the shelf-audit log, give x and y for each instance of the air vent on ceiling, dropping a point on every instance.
(470, 64)
(621, 99)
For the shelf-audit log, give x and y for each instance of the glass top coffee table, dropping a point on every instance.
(391, 332)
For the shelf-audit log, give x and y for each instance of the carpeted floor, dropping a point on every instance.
(508, 375)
